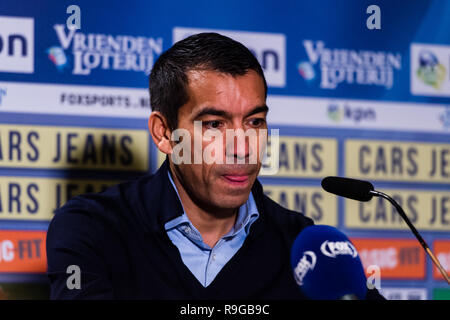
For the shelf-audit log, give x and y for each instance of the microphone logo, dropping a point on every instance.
(334, 248)
(306, 263)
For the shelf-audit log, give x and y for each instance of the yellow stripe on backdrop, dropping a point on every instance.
(398, 161)
(311, 201)
(24, 146)
(427, 210)
(37, 198)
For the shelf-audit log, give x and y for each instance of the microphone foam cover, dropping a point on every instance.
(349, 188)
(326, 265)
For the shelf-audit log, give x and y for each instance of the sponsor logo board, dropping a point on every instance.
(441, 249)
(430, 70)
(404, 293)
(83, 53)
(16, 44)
(336, 66)
(32, 199)
(441, 294)
(23, 251)
(397, 160)
(74, 100)
(396, 258)
(268, 48)
(356, 114)
(427, 210)
(24, 146)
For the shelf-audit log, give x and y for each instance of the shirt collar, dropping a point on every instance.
(247, 214)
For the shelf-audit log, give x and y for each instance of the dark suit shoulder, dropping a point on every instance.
(102, 215)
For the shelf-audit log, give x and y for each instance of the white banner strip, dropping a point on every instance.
(74, 100)
(284, 110)
(358, 114)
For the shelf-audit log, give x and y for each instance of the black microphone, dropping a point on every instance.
(348, 188)
(364, 191)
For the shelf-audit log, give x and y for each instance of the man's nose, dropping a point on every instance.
(237, 144)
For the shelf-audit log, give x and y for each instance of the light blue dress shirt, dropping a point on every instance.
(203, 261)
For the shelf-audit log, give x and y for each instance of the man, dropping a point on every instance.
(196, 229)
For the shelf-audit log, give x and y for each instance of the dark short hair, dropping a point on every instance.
(204, 51)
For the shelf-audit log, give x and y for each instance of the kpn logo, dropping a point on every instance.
(334, 112)
(350, 113)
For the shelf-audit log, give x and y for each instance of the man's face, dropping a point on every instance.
(222, 102)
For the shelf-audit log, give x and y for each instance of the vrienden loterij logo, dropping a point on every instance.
(86, 52)
(337, 66)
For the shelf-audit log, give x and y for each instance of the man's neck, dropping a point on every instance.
(211, 224)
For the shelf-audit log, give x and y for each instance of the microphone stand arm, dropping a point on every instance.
(413, 229)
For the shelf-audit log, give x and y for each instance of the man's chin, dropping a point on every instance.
(228, 202)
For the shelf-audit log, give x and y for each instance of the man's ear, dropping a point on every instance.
(159, 129)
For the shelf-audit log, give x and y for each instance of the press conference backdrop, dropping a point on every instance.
(351, 101)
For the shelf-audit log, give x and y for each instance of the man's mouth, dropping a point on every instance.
(236, 179)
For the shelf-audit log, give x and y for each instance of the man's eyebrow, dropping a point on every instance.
(211, 111)
(259, 109)
(222, 113)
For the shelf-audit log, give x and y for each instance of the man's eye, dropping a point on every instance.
(214, 124)
(257, 122)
